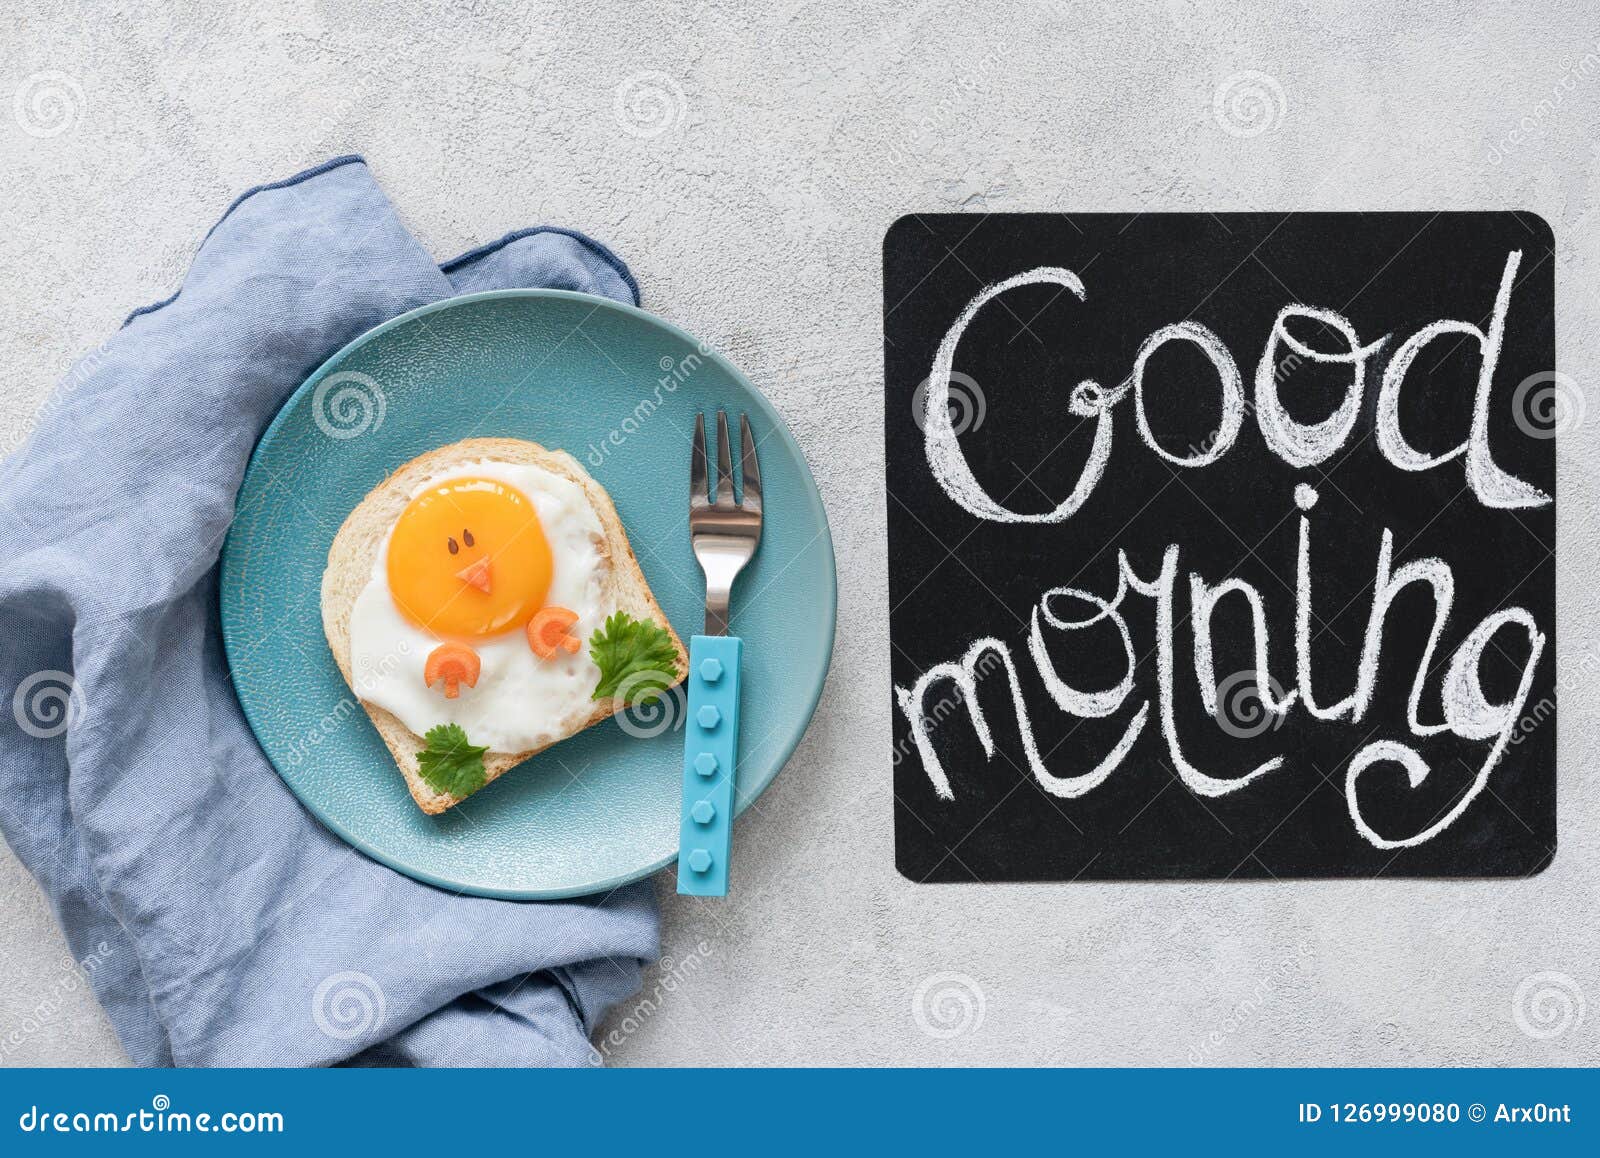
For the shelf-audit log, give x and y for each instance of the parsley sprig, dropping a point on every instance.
(636, 658)
(450, 764)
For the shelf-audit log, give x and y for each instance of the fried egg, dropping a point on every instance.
(477, 553)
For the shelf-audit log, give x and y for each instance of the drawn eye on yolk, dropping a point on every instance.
(468, 558)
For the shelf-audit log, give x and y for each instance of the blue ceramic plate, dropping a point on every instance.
(616, 388)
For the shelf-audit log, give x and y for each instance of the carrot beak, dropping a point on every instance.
(476, 575)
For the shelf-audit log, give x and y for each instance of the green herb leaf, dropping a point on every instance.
(449, 763)
(636, 658)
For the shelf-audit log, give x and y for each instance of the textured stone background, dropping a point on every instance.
(791, 137)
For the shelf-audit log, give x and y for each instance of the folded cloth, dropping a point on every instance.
(217, 921)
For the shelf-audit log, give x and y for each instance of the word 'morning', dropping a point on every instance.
(1467, 712)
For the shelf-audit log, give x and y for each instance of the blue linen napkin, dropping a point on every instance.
(217, 921)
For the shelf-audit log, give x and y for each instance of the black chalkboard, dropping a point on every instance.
(1352, 427)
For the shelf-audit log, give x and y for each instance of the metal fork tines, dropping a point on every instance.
(724, 532)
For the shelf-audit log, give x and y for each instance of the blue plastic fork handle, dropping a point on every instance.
(710, 753)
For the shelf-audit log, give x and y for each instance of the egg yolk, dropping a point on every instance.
(468, 558)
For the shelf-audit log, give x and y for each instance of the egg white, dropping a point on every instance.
(520, 701)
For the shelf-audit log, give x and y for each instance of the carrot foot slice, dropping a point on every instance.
(454, 664)
(549, 629)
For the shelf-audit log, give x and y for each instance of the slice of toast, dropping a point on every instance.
(357, 545)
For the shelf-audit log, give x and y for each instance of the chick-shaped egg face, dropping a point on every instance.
(468, 558)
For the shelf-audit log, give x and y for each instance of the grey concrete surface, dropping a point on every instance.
(751, 198)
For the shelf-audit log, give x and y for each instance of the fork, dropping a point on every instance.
(724, 531)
